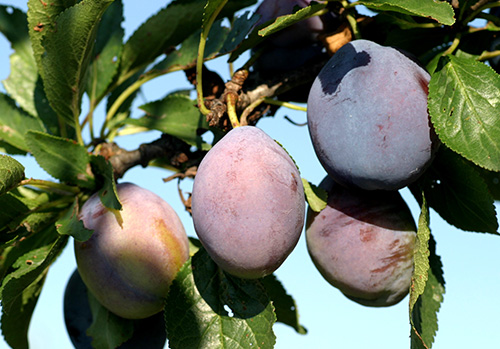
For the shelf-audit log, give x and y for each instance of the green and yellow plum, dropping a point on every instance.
(363, 243)
(248, 203)
(132, 257)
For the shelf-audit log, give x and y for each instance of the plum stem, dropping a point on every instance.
(231, 100)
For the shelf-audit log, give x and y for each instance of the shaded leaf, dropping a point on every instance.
(11, 173)
(67, 56)
(440, 11)
(107, 330)
(15, 323)
(464, 108)
(18, 207)
(455, 189)
(316, 197)
(285, 306)
(424, 315)
(63, 159)
(15, 123)
(210, 309)
(70, 224)
(107, 52)
(492, 180)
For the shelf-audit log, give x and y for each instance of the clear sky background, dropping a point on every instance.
(469, 316)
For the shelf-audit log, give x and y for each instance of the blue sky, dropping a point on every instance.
(469, 315)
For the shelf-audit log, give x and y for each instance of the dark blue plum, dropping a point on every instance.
(368, 119)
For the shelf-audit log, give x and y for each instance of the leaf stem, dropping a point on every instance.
(52, 186)
(453, 46)
(285, 104)
(123, 96)
(201, 54)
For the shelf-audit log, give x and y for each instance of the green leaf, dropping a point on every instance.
(11, 173)
(107, 330)
(63, 159)
(28, 269)
(107, 52)
(285, 306)
(287, 20)
(185, 57)
(316, 197)
(24, 84)
(106, 181)
(464, 108)
(455, 189)
(167, 29)
(424, 315)
(67, 56)
(175, 115)
(211, 309)
(44, 236)
(15, 323)
(70, 224)
(15, 123)
(421, 256)
(41, 20)
(440, 11)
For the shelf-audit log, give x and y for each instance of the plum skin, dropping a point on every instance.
(368, 119)
(248, 203)
(363, 243)
(129, 265)
(148, 332)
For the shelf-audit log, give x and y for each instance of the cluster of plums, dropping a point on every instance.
(369, 125)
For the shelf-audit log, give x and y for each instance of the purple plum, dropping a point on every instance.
(248, 203)
(363, 243)
(368, 119)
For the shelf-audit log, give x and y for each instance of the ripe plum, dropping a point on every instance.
(248, 203)
(128, 264)
(368, 119)
(363, 243)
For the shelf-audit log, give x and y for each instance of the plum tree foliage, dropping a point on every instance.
(371, 106)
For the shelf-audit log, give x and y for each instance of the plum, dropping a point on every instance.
(148, 332)
(248, 203)
(363, 243)
(300, 33)
(131, 258)
(368, 119)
